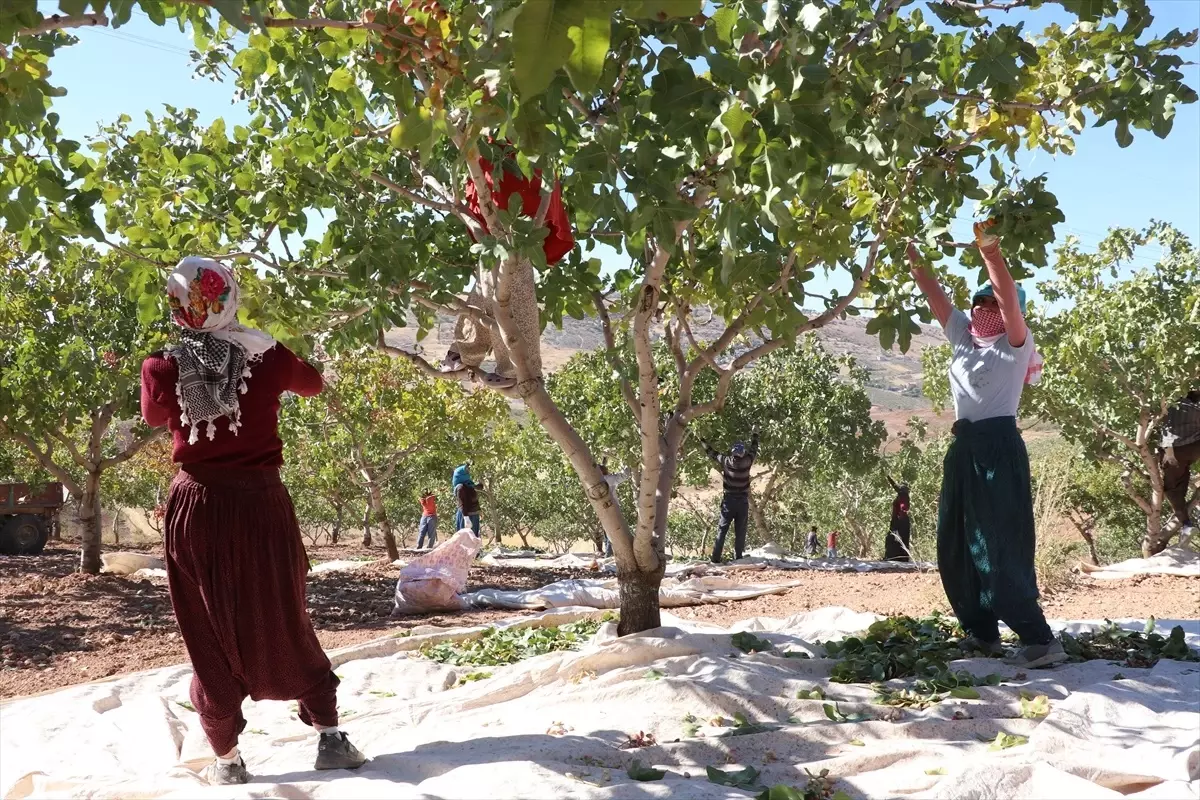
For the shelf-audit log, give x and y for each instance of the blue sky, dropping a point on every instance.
(142, 66)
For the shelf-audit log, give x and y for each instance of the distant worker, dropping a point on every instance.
(1181, 449)
(236, 565)
(813, 543)
(897, 546)
(985, 531)
(831, 550)
(428, 526)
(735, 503)
(466, 499)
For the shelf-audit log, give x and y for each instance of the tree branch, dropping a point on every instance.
(46, 459)
(966, 6)
(60, 22)
(610, 344)
(133, 449)
(403, 191)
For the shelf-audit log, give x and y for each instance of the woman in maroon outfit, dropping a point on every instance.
(236, 565)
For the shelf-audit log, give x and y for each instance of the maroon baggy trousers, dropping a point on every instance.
(236, 568)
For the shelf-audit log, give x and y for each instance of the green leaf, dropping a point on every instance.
(341, 80)
(1004, 741)
(964, 693)
(745, 778)
(231, 10)
(541, 42)
(723, 21)
(857, 742)
(591, 40)
(643, 773)
(1124, 135)
(782, 792)
(413, 130)
(749, 643)
(936, 771)
(665, 9)
(252, 63)
(1035, 707)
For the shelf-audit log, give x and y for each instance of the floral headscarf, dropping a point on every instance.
(214, 352)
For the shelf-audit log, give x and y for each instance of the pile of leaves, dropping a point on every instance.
(904, 647)
(896, 647)
(499, 646)
(1129, 648)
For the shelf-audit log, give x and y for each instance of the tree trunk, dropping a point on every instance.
(337, 524)
(524, 536)
(116, 531)
(639, 600)
(367, 525)
(385, 525)
(1157, 534)
(759, 514)
(493, 512)
(89, 516)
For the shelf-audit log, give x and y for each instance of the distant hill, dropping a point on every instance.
(894, 385)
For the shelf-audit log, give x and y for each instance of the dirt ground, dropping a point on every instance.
(58, 627)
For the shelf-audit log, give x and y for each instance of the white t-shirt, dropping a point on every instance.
(985, 382)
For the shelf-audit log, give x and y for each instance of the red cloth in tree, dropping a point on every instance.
(559, 241)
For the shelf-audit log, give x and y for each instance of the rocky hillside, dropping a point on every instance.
(895, 378)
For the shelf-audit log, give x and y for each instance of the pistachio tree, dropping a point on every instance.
(377, 416)
(814, 418)
(1121, 353)
(729, 151)
(71, 350)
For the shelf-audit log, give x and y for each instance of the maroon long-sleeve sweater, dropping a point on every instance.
(257, 442)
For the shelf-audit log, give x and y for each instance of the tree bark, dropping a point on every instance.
(367, 525)
(89, 516)
(639, 600)
(337, 524)
(1157, 535)
(385, 525)
(116, 531)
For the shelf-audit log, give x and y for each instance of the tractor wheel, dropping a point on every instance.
(23, 535)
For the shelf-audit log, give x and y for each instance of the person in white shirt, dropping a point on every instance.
(985, 532)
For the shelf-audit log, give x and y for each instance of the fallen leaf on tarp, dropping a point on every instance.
(642, 773)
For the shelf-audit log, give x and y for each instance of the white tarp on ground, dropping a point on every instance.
(1172, 561)
(130, 563)
(551, 726)
(763, 558)
(603, 593)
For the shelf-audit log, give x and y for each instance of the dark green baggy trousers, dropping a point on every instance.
(985, 535)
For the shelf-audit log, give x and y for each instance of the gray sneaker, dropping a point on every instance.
(335, 752)
(1038, 655)
(971, 645)
(218, 774)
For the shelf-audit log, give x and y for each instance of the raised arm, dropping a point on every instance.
(895, 488)
(1003, 285)
(939, 303)
(302, 378)
(713, 455)
(753, 451)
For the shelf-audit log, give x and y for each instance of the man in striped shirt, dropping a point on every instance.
(735, 504)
